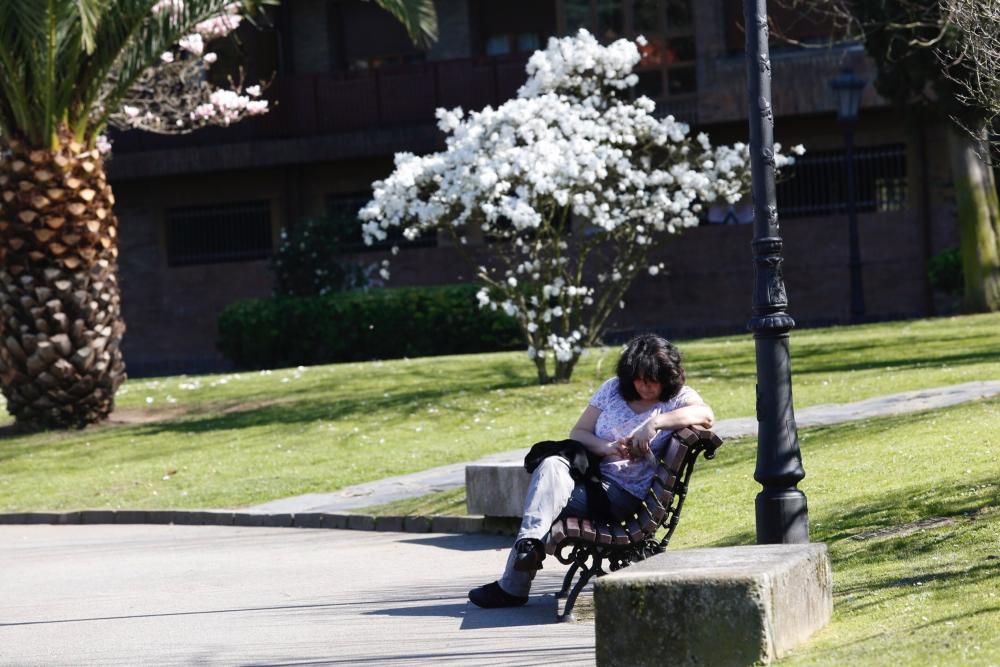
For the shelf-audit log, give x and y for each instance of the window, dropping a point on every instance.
(342, 213)
(367, 37)
(513, 26)
(667, 67)
(220, 233)
(817, 183)
(525, 42)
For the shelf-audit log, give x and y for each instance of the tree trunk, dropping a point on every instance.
(564, 369)
(60, 309)
(543, 371)
(978, 223)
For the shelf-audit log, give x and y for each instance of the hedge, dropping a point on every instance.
(363, 325)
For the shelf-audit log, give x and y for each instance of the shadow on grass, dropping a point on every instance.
(285, 410)
(899, 363)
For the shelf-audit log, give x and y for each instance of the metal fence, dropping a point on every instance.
(218, 233)
(817, 183)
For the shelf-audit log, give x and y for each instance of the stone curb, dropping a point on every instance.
(400, 524)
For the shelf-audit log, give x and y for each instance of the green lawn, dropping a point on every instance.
(241, 439)
(910, 509)
(903, 594)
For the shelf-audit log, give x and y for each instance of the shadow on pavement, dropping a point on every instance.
(541, 610)
(469, 542)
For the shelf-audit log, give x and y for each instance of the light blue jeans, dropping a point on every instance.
(551, 492)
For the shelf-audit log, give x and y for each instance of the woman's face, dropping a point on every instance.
(648, 390)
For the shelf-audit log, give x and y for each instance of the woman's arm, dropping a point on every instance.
(693, 414)
(583, 432)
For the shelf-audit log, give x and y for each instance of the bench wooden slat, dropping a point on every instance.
(708, 436)
(557, 533)
(665, 477)
(687, 436)
(662, 474)
(656, 509)
(652, 500)
(572, 526)
(664, 493)
(603, 534)
(649, 521)
(618, 534)
(587, 530)
(635, 532)
(675, 457)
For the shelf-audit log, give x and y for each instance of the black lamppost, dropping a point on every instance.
(781, 507)
(848, 88)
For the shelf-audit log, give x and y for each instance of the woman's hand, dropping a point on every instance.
(617, 450)
(642, 436)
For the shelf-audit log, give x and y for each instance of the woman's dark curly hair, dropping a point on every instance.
(650, 357)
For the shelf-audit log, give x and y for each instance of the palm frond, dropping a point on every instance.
(90, 12)
(417, 16)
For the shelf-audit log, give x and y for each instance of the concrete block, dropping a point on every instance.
(308, 520)
(727, 606)
(161, 516)
(337, 521)
(97, 516)
(217, 518)
(496, 489)
(456, 524)
(277, 520)
(417, 524)
(391, 524)
(13, 518)
(69, 518)
(131, 516)
(361, 522)
(245, 519)
(501, 525)
(188, 518)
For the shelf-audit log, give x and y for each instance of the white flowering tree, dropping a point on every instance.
(574, 180)
(175, 96)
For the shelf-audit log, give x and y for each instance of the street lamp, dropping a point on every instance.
(848, 87)
(781, 510)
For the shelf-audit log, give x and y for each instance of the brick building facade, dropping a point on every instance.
(201, 213)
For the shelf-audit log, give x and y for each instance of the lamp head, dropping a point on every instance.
(848, 87)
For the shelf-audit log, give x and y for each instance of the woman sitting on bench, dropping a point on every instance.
(625, 427)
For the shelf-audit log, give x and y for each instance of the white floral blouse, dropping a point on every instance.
(618, 420)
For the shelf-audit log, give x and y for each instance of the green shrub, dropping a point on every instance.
(362, 325)
(307, 261)
(945, 271)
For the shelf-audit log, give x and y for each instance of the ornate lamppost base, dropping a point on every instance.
(782, 517)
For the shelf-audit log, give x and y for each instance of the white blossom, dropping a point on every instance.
(572, 145)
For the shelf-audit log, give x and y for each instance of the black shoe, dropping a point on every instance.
(491, 596)
(530, 554)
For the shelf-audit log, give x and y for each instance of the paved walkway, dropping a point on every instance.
(196, 595)
(451, 476)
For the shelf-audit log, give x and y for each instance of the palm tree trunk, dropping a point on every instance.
(60, 307)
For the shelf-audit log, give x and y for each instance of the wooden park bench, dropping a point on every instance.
(577, 541)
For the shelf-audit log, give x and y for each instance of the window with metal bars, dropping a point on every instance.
(817, 183)
(218, 233)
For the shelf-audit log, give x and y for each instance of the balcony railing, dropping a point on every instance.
(329, 103)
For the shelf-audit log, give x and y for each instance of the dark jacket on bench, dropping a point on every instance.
(584, 467)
